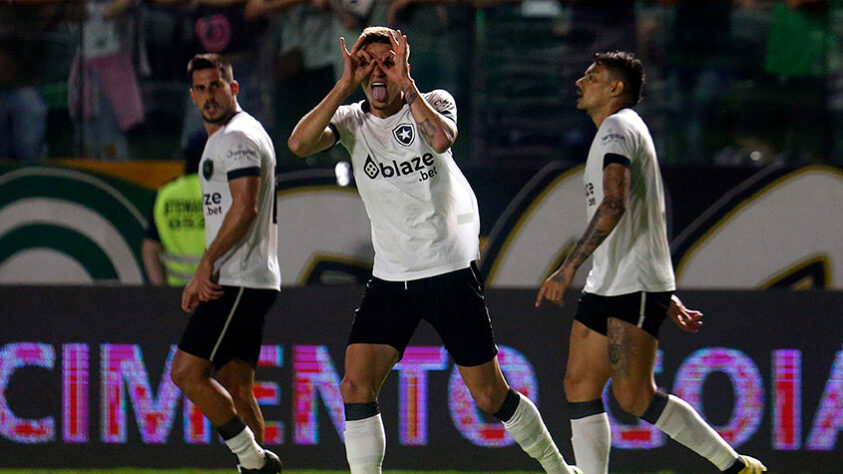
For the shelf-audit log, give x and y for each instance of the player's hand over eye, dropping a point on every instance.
(358, 63)
(397, 66)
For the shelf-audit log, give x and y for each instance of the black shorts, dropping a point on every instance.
(453, 303)
(642, 309)
(230, 327)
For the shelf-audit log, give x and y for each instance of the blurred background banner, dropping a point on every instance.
(69, 226)
(729, 82)
(753, 228)
(83, 383)
(744, 99)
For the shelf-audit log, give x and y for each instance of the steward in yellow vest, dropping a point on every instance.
(181, 226)
(175, 239)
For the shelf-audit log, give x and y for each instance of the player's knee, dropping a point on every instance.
(631, 398)
(488, 399)
(183, 375)
(581, 388)
(240, 390)
(357, 391)
(486, 404)
(571, 383)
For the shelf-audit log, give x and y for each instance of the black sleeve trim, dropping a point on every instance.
(336, 135)
(610, 158)
(240, 172)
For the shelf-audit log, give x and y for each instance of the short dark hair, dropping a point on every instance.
(628, 67)
(210, 61)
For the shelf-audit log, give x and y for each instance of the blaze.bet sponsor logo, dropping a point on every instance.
(421, 164)
(212, 203)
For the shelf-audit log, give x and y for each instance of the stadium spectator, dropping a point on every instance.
(700, 61)
(425, 226)
(596, 25)
(443, 34)
(104, 97)
(629, 290)
(238, 277)
(303, 36)
(222, 27)
(23, 111)
(798, 47)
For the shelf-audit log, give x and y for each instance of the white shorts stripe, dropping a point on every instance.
(227, 322)
(641, 309)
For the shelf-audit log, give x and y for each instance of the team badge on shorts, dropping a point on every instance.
(207, 169)
(404, 133)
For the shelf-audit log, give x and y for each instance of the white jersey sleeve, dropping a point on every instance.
(240, 155)
(343, 124)
(443, 102)
(617, 140)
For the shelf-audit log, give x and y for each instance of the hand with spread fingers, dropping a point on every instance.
(397, 66)
(358, 64)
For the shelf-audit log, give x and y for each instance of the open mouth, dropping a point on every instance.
(379, 92)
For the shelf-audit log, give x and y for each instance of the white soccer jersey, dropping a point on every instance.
(242, 148)
(635, 256)
(423, 212)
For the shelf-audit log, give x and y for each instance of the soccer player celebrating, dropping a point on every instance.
(425, 227)
(238, 277)
(629, 290)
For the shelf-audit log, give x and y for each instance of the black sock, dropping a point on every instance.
(509, 405)
(361, 411)
(583, 409)
(231, 428)
(655, 409)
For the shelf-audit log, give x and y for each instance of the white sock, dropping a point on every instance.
(591, 437)
(365, 445)
(529, 431)
(248, 451)
(682, 423)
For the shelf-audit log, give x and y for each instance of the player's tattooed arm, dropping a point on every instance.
(410, 95)
(439, 131)
(616, 178)
(428, 131)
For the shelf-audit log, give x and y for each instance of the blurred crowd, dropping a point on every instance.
(730, 82)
